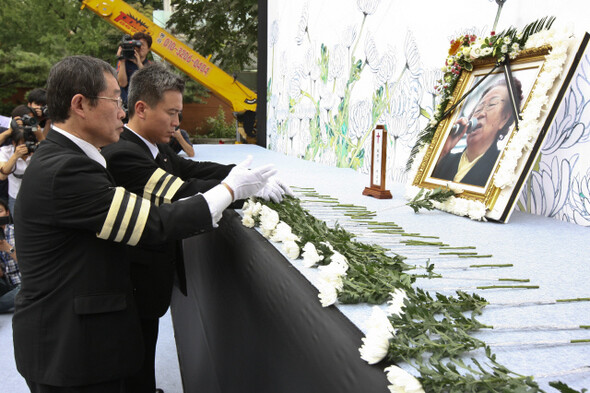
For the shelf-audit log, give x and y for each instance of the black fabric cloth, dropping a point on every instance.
(447, 168)
(251, 323)
(105, 387)
(76, 321)
(144, 381)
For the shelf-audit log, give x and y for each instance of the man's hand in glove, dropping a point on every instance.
(274, 190)
(243, 183)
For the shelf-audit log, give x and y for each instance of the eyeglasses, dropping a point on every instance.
(487, 107)
(118, 100)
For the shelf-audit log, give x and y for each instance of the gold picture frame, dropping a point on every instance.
(486, 98)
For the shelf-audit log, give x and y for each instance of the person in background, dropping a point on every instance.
(76, 327)
(15, 158)
(127, 67)
(4, 141)
(180, 141)
(37, 101)
(9, 271)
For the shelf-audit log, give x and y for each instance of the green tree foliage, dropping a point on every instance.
(35, 34)
(226, 29)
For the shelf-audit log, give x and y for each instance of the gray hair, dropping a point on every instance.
(75, 75)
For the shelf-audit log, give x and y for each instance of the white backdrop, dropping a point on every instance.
(338, 67)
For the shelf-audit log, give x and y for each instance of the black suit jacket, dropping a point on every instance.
(446, 169)
(76, 321)
(132, 165)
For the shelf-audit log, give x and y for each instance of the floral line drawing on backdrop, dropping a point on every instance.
(558, 186)
(313, 112)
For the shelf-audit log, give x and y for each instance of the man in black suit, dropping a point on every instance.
(143, 162)
(76, 326)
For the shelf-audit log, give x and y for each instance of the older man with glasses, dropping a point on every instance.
(76, 326)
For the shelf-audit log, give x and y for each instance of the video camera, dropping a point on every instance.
(28, 129)
(128, 46)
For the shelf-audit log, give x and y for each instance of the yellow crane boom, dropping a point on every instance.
(129, 20)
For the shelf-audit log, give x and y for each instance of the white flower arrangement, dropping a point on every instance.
(269, 219)
(523, 140)
(310, 255)
(402, 381)
(395, 306)
(331, 279)
(376, 341)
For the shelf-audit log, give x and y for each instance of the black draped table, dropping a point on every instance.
(252, 323)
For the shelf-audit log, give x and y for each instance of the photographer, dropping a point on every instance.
(37, 99)
(9, 272)
(14, 158)
(132, 55)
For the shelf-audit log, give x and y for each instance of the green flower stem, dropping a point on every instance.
(515, 279)
(420, 243)
(419, 235)
(578, 299)
(458, 248)
(477, 256)
(508, 287)
(493, 265)
(457, 253)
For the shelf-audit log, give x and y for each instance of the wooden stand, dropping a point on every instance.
(378, 163)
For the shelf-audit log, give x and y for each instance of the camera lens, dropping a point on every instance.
(29, 120)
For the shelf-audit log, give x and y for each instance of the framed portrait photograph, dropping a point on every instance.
(486, 145)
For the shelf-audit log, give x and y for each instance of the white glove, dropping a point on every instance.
(244, 182)
(274, 190)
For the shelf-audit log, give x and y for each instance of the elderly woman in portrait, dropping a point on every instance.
(489, 122)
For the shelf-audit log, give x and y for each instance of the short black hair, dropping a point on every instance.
(21, 110)
(37, 95)
(144, 36)
(150, 83)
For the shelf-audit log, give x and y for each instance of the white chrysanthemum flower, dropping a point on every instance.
(269, 220)
(328, 294)
(486, 51)
(310, 255)
(291, 249)
(402, 382)
(248, 221)
(396, 304)
(282, 233)
(332, 274)
(340, 260)
(376, 341)
(455, 188)
(252, 208)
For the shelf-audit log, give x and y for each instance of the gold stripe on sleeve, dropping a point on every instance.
(152, 183)
(126, 217)
(161, 189)
(142, 217)
(176, 184)
(109, 222)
